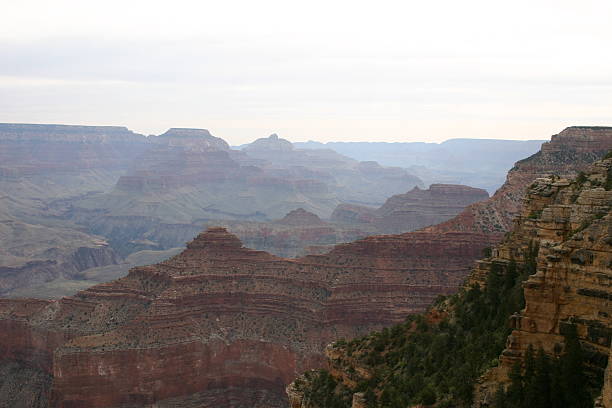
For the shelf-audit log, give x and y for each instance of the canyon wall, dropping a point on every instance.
(111, 192)
(412, 210)
(560, 243)
(571, 222)
(567, 153)
(222, 325)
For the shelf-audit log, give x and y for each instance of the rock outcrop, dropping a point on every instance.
(29, 150)
(413, 210)
(567, 153)
(194, 139)
(559, 255)
(71, 187)
(571, 223)
(223, 325)
(302, 218)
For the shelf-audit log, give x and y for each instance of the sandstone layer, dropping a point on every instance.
(223, 325)
(567, 153)
(563, 238)
(571, 223)
(189, 178)
(412, 210)
(109, 192)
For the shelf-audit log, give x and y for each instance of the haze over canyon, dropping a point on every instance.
(289, 248)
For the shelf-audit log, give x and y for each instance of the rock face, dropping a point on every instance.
(301, 217)
(45, 164)
(412, 210)
(571, 223)
(271, 144)
(567, 153)
(559, 253)
(68, 188)
(223, 325)
(480, 163)
(41, 149)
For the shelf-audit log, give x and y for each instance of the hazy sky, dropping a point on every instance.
(321, 70)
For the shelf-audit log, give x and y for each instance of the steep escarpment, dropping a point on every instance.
(567, 153)
(223, 325)
(412, 210)
(73, 187)
(41, 165)
(33, 254)
(571, 291)
(29, 149)
(534, 318)
(359, 182)
(189, 177)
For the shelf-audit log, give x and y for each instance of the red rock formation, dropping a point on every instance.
(301, 217)
(567, 153)
(571, 222)
(412, 210)
(220, 321)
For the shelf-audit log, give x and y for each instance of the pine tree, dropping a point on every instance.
(516, 391)
(541, 382)
(573, 380)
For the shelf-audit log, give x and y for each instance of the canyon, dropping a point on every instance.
(223, 325)
(560, 240)
(481, 163)
(81, 197)
(220, 324)
(571, 222)
(412, 210)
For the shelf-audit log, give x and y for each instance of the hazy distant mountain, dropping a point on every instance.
(77, 197)
(475, 162)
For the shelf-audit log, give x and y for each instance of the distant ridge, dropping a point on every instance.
(35, 127)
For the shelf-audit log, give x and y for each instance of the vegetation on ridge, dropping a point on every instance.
(429, 362)
(424, 362)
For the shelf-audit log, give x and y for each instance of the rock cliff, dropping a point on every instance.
(223, 325)
(29, 150)
(571, 222)
(413, 210)
(555, 265)
(65, 188)
(567, 153)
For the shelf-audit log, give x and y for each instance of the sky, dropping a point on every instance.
(310, 70)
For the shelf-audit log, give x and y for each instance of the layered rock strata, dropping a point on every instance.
(567, 153)
(561, 240)
(223, 325)
(571, 223)
(66, 189)
(412, 210)
(29, 150)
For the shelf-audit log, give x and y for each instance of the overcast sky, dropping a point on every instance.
(319, 70)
